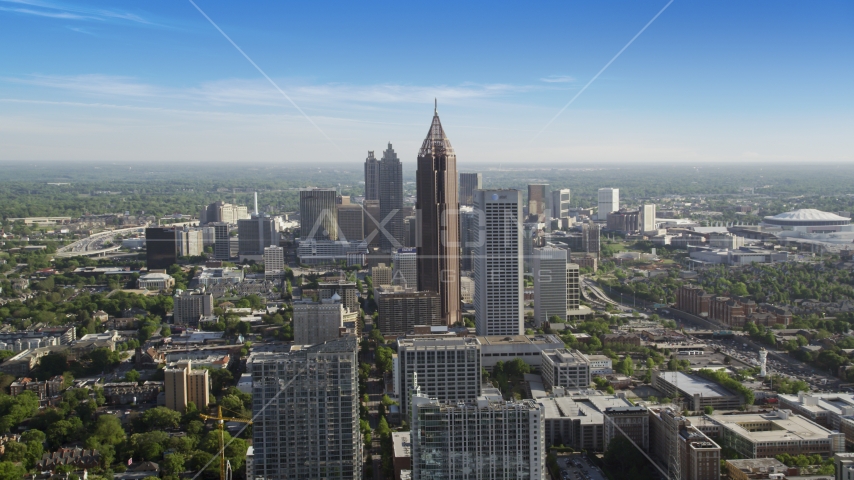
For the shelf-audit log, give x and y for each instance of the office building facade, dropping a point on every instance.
(550, 284)
(188, 307)
(318, 209)
(444, 368)
(189, 242)
(609, 201)
(647, 219)
(469, 182)
(221, 212)
(305, 405)
(487, 439)
(438, 207)
(560, 203)
(401, 309)
(274, 264)
(391, 201)
(565, 368)
(255, 234)
(318, 322)
(537, 195)
(498, 263)
(405, 268)
(160, 248)
(373, 219)
(372, 177)
(468, 236)
(222, 240)
(351, 222)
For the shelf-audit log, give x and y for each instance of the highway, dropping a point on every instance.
(94, 245)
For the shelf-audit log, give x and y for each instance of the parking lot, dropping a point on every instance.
(578, 467)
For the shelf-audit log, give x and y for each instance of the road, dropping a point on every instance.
(94, 244)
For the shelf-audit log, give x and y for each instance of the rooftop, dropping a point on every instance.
(807, 214)
(779, 426)
(402, 444)
(694, 385)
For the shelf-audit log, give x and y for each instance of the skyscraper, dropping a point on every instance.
(537, 194)
(255, 234)
(372, 218)
(437, 206)
(318, 211)
(469, 182)
(468, 236)
(609, 201)
(391, 201)
(274, 264)
(560, 203)
(446, 368)
(372, 177)
(223, 212)
(648, 217)
(161, 250)
(222, 242)
(351, 221)
(549, 284)
(489, 438)
(306, 413)
(405, 272)
(498, 291)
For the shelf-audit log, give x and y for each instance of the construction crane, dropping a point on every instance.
(223, 474)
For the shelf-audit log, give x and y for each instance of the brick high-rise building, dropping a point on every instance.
(438, 208)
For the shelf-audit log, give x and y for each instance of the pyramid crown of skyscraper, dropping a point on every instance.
(436, 141)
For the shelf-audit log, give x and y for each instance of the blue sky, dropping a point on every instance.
(722, 81)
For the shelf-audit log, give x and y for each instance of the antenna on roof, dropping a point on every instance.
(435, 106)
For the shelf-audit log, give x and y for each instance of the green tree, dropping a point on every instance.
(14, 452)
(132, 376)
(11, 471)
(161, 418)
(383, 429)
(108, 431)
(708, 409)
(173, 463)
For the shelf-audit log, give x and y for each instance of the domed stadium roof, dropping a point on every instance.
(807, 217)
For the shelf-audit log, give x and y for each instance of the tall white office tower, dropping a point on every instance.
(550, 286)
(609, 201)
(648, 218)
(405, 268)
(560, 203)
(306, 412)
(498, 287)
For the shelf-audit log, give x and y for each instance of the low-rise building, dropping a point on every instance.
(155, 281)
(401, 453)
(600, 365)
(565, 368)
(757, 435)
(401, 309)
(528, 348)
(696, 391)
(750, 468)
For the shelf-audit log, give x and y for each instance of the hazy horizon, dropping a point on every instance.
(723, 82)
